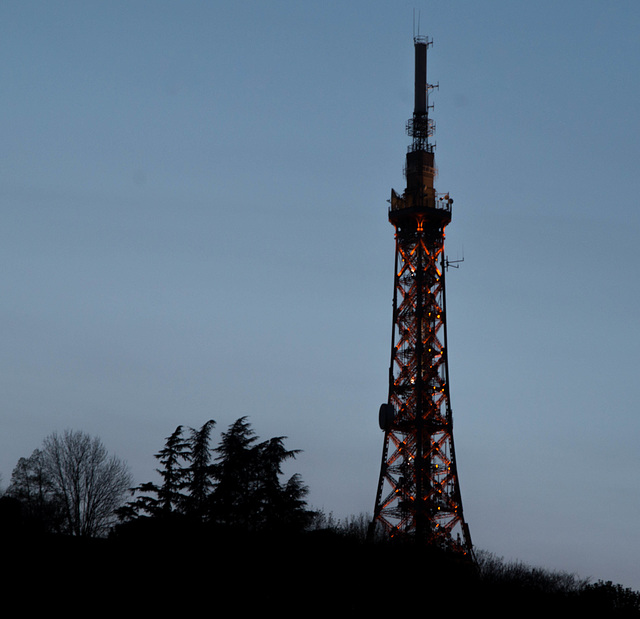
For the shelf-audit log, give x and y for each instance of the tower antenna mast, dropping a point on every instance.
(418, 492)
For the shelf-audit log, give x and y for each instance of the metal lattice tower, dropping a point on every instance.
(418, 492)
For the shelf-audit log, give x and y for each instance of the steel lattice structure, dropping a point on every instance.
(418, 492)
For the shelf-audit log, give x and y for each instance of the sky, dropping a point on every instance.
(193, 226)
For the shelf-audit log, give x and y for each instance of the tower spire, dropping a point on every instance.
(420, 98)
(418, 491)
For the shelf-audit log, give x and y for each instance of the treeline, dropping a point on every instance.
(224, 519)
(72, 486)
(513, 584)
(238, 484)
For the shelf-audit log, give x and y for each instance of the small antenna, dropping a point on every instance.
(414, 23)
(453, 263)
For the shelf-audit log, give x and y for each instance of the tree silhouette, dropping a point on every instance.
(89, 482)
(171, 457)
(71, 485)
(233, 496)
(199, 479)
(612, 598)
(240, 489)
(249, 492)
(165, 499)
(40, 506)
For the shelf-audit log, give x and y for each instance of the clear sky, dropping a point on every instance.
(193, 225)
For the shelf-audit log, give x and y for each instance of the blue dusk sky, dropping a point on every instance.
(193, 225)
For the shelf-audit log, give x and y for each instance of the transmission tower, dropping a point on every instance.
(418, 492)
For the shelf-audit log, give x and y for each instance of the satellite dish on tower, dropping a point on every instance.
(386, 416)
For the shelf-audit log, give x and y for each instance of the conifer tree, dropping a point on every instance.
(272, 505)
(249, 493)
(199, 475)
(242, 488)
(165, 499)
(172, 457)
(232, 497)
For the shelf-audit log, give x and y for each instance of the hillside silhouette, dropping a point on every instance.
(222, 529)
